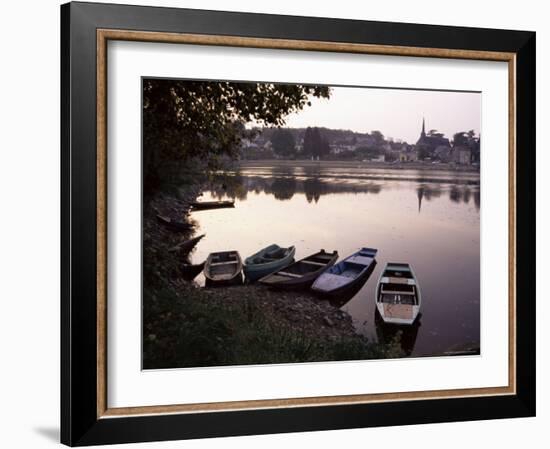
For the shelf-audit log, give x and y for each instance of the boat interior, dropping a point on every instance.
(398, 294)
(308, 265)
(398, 271)
(347, 269)
(270, 256)
(224, 263)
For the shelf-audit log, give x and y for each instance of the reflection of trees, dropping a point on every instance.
(463, 194)
(454, 194)
(428, 192)
(466, 195)
(283, 185)
(314, 188)
(477, 199)
(228, 186)
(283, 188)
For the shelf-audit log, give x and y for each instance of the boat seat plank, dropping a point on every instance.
(397, 292)
(310, 262)
(214, 264)
(361, 260)
(395, 280)
(292, 275)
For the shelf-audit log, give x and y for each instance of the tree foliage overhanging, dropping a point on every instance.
(205, 120)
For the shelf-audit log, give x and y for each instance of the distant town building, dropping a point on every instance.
(462, 155)
(428, 142)
(408, 156)
(443, 153)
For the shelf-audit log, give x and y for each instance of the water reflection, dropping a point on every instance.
(428, 192)
(387, 333)
(430, 221)
(282, 188)
(285, 182)
(283, 185)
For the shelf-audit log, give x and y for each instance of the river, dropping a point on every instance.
(428, 218)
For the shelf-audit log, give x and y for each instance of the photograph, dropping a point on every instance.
(293, 223)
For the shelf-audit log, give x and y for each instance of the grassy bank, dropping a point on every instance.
(191, 327)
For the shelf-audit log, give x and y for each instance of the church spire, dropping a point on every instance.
(423, 127)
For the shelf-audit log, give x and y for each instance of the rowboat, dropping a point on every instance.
(172, 224)
(223, 268)
(302, 273)
(267, 260)
(398, 296)
(191, 271)
(346, 274)
(186, 246)
(201, 205)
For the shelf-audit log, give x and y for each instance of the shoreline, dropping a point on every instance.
(359, 164)
(185, 325)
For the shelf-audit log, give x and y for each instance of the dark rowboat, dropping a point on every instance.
(267, 260)
(186, 246)
(202, 205)
(346, 274)
(173, 225)
(302, 273)
(223, 268)
(191, 271)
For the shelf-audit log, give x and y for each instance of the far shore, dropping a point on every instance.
(359, 164)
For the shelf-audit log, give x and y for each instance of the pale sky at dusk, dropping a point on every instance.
(396, 113)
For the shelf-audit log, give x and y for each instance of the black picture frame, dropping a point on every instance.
(80, 424)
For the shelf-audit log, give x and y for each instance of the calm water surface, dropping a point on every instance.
(427, 218)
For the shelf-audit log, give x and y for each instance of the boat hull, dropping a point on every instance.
(187, 246)
(302, 275)
(346, 275)
(212, 205)
(190, 271)
(253, 271)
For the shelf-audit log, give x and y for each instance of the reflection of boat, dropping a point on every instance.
(386, 333)
(398, 296)
(223, 267)
(302, 273)
(267, 260)
(187, 245)
(345, 274)
(201, 205)
(173, 224)
(191, 271)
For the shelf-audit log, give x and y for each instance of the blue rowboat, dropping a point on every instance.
(346, 274)
(267, 260)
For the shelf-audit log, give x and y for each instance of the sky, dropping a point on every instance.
(396, 113)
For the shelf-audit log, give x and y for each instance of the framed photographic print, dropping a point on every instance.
(280, 224)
